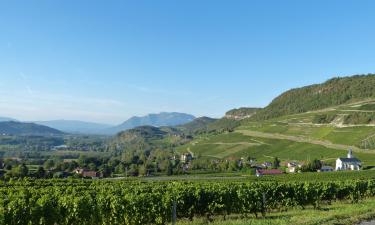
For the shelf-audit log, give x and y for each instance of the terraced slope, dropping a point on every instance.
(296, 137)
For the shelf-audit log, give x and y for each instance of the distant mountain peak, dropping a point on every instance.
(4, 119)
(154, 119)
(19, 128)
(75, 126)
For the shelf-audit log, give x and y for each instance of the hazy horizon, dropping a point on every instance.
(105, 62)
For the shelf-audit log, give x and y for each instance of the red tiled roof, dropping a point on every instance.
(90, 174)
(269, 172)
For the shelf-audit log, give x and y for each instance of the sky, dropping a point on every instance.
(105, 61)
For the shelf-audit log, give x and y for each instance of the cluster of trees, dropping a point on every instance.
(367, 107)
(312, 166)
(359, 118)
(29, 143)
(351, 118)
(56, 167)
(323, 118)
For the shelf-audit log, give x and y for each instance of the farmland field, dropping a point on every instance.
(237, 144)
(150, 202)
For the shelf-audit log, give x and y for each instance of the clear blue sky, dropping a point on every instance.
(105, 61)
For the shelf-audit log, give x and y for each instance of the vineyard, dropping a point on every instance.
(134, 202)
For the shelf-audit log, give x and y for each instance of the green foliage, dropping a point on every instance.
(223, 125)
(199, 125)
(334, 92)
(276, 163)
(312, 166)
(359, 118)
(125, 202)
(323, 118)
(367, 107)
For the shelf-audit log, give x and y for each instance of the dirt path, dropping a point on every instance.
(300, 139)
(233, 143)
(368, 223)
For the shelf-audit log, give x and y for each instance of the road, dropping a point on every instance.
(301, 139)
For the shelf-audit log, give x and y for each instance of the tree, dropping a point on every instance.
(40, 173)
(276, 163)
(133, 170)
(49, 164)
(169, 169)
(92, 166)
(312, 166)
(105, 170)
(316, 165)
(233, 165)
(142, 170)
(20, 171)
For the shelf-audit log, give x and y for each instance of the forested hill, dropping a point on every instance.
(200, 124)
(18, 128)
(333, 92)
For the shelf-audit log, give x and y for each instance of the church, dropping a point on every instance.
(349, 163)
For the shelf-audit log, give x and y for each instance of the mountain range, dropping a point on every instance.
(331, 93)
(75, 126)
(19, 128)
(155, 120)
(82, 127)
(3, 119)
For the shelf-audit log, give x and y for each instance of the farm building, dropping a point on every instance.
(349, 163)
(293, 167)
(186, 157)
(260, 172)
(266, 164)
(87, 173)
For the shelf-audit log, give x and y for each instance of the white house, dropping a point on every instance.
(186, 157)
(349, 163)
(293, 167)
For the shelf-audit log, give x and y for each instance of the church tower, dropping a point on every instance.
(350, 154)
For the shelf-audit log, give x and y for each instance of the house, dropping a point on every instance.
(326, 169)
(266, 164)
(349, 163)
(87, 173)
(60, 147)
(186, 157)
(261, 172)
(293, 167)
(92, 174)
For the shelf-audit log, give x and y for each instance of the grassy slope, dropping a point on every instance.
(299, 125)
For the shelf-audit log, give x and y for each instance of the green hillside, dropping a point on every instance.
(315, 122)
(293, 137)
(240, 144)
(198, 125)
(333, 92)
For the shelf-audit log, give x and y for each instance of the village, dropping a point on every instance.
(266, 168)
(276, 168)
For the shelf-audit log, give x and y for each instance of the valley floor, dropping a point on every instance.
(337, 213)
